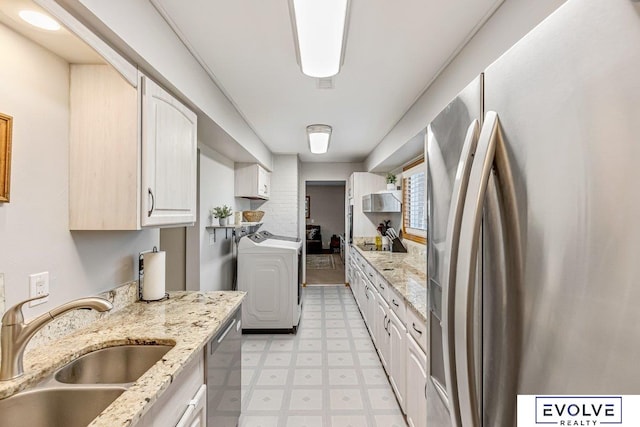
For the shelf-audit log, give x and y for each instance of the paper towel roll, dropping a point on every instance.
(153, 285)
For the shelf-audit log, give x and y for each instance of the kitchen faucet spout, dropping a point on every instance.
(16, 333)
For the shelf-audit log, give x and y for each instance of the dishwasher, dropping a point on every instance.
(223, 365)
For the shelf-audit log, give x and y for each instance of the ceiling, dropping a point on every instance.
(393, 51)
(62, 42)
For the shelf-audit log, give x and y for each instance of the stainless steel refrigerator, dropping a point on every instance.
(534, 230)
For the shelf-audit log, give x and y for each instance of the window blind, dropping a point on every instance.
(414, 195)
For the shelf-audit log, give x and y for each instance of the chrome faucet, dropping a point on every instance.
(16, 334)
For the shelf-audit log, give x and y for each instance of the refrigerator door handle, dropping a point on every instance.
(451, 254)
(491, 153)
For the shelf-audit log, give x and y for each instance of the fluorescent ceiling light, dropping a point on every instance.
(40, 20)
(318, 136)
(320, 27)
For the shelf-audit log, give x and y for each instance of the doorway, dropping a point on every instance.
(324, 225)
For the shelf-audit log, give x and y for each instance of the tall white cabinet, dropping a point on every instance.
(361, 183)
(132, 154)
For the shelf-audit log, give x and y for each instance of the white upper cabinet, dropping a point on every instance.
(252, 181)
(133, 154)
(169, 144)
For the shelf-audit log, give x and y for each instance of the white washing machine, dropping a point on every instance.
(269, 270)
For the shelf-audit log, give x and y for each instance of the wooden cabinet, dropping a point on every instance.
(252, 181)
(169, 145)
(183, 402)
(416, 398)
(132, 154)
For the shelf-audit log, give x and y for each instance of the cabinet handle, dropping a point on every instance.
(425, 389)
(384, 322)
(371, 275)
(153, 202)
(366, 289)
(394, 302)
(388, 326)
(381, 286)
(415, 329)
(224, 334)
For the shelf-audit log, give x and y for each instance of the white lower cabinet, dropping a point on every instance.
(416, 399)
(196, 413)
(397, 358)
(183, 402)
(370, 306)
(380, 330)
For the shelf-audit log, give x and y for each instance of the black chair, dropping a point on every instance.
(314, 239)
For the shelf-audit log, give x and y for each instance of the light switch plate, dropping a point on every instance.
(38, 285)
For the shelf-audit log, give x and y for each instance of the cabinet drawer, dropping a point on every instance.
(417, 329)
(397, 304)
(382, 286)
(372, 275)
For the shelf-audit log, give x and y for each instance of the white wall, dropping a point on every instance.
(34, 234)
(210, 264)
(282, 209)
(327, 210)
(510, 23)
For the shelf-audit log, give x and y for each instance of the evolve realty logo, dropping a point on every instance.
(578, 410)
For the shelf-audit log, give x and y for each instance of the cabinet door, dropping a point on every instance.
(370, 298)
(169, 158)
(416, 399)
(397, 357)
(264, 182)
(196, 413)
(381, 318)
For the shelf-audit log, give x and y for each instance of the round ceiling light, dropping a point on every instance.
(40, 20)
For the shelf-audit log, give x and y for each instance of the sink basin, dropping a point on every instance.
(56, 407)
(112, 365)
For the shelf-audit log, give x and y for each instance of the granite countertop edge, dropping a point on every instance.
(413, 274)
(187, 320)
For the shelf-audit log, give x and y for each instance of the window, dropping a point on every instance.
(414, 215)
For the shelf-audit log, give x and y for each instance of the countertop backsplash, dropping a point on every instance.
(71, 321)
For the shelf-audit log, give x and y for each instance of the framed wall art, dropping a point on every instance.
(6, 123)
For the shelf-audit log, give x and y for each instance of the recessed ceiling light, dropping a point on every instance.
(318, 136)
(40, 20)
(320, 32)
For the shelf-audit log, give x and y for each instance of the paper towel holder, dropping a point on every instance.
(141, 277)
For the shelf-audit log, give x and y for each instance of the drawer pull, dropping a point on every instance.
(416, 329)
(381, 285)
(395, 303)
(384, 322)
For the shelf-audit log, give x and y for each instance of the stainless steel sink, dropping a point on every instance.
(112, 365)
(56, 407)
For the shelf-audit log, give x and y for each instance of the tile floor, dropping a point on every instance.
(327, 375)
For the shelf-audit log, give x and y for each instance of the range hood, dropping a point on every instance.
(388, 201)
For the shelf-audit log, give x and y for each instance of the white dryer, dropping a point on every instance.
(269, 270)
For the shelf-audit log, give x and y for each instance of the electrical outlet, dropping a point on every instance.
(38, 285)
(212, 239)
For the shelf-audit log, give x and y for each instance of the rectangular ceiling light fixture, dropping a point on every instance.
(320, 32)
(318, 136)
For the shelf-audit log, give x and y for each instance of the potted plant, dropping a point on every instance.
(391, 181)
(222, 213)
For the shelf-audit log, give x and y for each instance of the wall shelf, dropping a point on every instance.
(250, 226)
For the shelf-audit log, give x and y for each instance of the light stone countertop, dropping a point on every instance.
(187, 319)
(405, 273)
